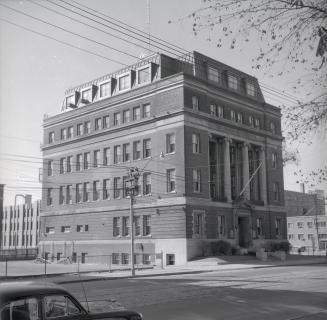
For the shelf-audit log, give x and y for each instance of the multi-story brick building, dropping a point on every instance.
(196, 129)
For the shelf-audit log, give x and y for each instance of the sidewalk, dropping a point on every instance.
(211, 264)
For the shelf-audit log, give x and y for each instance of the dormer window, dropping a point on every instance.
(213, 74)
(70, 101)
(232, 82)
(105, 89)
(87, 96)
(250, 89)
(143, 75)
(124, 82)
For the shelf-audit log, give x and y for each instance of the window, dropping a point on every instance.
(321, 224)
(87, 160)
(69, 163)
(96, 158)
(232, 82)
(195, 103)
(117, 119)
(137, 224)
(124, 82)
(50, 230)
(70, 100)
(274, 160)
(50, 168)
(300, 237)
(291, 237)
(125, 226)
(310, 224)
(27, 308)
(146, 183)
(146, 110)
(106, 156)
(126, 152)
(276, 191)
(221, 227)
(278, 227)
(79, 158)
(79, 193)
(220, 111)
(195, 143)
(104, 89)
(257, 123)
(87, 127)
(272, 127)
(49, 197)
(106, 187)
(62, 165)
(96, 190)
(322, 236)
(136, 113)
(171, 180)
(250, 89)
(117, 154)
(290, 225)
(213, 109)
(300, 225)
(115, 258)
(126, 116)
(80, 228)
(97, 124)
(136, 150)
(60, 306)
(80, 129)
(143, 75)
(65, 229)
(310, 236)
(86, 192)
(170, 143)
(70, 132)
(87, 96)
(198, 225)
(124, 258)
(239, 117)
(251, 121)
(232, 115)
(146, 259)
(196, 180)
(69, 199)
(51, 137)
(146, 225)
(259, 227)
(116, 231)
(106, 122)
(146, 148)
(213, 74)
(126, 187)
(117, 188)
(63, 134)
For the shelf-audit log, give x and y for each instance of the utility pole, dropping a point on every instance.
(133, 174)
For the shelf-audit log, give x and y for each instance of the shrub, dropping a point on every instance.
(221, 247)
(272, 246)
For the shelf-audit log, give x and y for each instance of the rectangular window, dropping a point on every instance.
(69, 163)
(146, 148)
(146, 259)
(106, 156)
(79, 193)
(232, 82)
(276, 191)
(198, 226)
(171, 180)
(146, 225)
(117, 118)
(310, 236)
(49, 197)
(321, 224)
(51, 137)
(126, 187)
(106, 122)
(116, 227)
(137, 150)
(50, 168)
(96, 190)
(213, 110)
(291, 237)
(196, 180)
(239, 117)
(213, 74)
(80, 228)
(96, 158)
(62, 165)
(257, 123)
(87, 96)
(232, 115)
(80, 130)
(278, 227)
(126, 152)
(124, 82)
(125, 226)
(251, 121)
(310, 224)
(195, 143)
(124, 258)
(146, 110)
(104, 89)
(220, 111)
(115, 258)
(272, 127)
(87, 160)
(143, 75)
(63, 134)
(117, 154)
(87, 127)
(250, 89)
(79, 158)
(221, 227)
(170, 142)
(274, 160)
(290, 225)
(259, 227)
(97, 124)
(106, 188)
(50, 230)
(86, 191)
(70, 132)
(300, 225)
(136, 113)
(300, 236)
(195, 103)
(146, 183)
(126, 116)
(137, 224)
(117, 188)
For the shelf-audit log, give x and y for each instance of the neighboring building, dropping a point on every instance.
(20, 229)
(196, 129)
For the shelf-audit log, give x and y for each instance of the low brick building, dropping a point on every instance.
(196, 129)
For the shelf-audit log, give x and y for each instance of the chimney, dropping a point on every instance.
(302, 189)
(2, 187)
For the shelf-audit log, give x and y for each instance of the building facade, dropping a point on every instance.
(207, 145)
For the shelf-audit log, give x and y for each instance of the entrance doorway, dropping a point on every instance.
(244, 235)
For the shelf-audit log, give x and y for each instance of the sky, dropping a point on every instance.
(35, 71)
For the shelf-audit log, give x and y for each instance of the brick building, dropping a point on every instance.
(196, 129)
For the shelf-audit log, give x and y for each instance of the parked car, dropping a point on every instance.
(27, 300)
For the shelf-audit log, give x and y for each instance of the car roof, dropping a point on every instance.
(13, 290)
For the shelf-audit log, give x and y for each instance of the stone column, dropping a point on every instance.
(227, 179)
(263, 181)
(245, 169)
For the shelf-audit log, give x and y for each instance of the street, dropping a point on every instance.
(292, 292)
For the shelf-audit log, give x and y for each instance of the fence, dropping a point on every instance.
(18, 254)
(79, 263)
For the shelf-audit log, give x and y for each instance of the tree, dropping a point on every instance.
(289, 33)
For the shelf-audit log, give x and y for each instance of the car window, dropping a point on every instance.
(56, 306)
(22, 309)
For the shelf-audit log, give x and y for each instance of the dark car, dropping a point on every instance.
(23, 300)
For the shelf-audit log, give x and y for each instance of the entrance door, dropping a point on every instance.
(244, 238)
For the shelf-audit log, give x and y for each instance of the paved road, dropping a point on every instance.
(270, 293)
